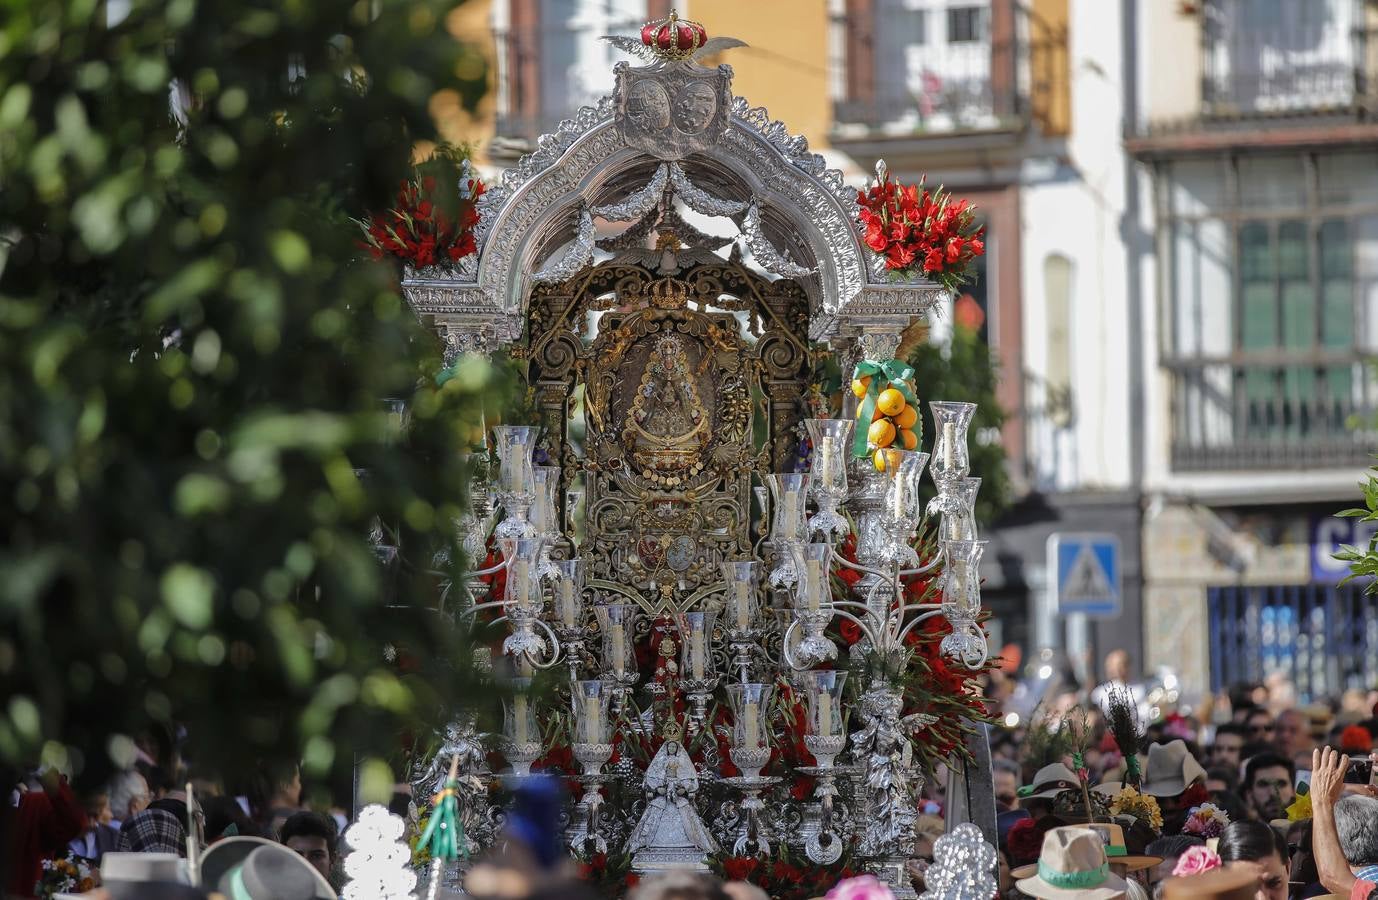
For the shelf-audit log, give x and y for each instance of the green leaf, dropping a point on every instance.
(291, 251)
(187, 593)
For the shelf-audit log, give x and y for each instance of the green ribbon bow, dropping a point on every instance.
(444, 832)
(1073, 879)
(892, 373)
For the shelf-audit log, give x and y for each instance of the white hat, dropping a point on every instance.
(1048, 782)
(1171, 769)
(1073, 866)
(261, 868)
(138, 867)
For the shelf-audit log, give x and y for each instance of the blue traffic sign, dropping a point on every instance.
(1086, 573)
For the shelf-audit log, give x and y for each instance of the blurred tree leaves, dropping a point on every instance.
(964, 369)
(200, 382)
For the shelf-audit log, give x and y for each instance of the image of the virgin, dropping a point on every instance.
(670, 820)
(648, 106)
(695, 105)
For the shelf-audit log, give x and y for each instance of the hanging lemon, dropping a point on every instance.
(909, 439)
(907, 417)
(879, 459)
(861, 385)
(877, 415)
(890, 402)
(881, 433)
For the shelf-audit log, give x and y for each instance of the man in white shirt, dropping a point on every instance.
(1117, 679)
(129, 796)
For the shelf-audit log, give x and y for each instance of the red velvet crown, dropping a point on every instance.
(673, 37)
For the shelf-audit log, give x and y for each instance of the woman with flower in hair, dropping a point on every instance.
(1258, 849)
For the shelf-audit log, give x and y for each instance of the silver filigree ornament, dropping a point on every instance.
(699, 200)
(579, 254)
(963, 866)
(639, 203)
(766, 256)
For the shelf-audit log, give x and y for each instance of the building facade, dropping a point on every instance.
(1181, 283)
(1258, 177)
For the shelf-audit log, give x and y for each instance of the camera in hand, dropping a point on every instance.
(1359, 771)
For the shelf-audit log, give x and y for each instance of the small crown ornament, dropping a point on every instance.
(668, 293)
(672, 38)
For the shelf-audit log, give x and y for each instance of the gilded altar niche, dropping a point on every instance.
(666, 398)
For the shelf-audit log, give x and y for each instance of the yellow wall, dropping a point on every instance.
(785, 67)
(471, 23)
(1048, 60)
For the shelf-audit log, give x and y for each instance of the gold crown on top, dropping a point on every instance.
(667, 293)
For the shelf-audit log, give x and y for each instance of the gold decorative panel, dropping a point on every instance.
(665, 398)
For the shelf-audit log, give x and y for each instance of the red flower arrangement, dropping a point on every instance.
(921, 231)
(1024, 843)
(611, 876)
(433, 221)
(782, 877)
(932, 683)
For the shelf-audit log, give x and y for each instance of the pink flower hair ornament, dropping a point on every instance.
(862, 887)
(1195, 861)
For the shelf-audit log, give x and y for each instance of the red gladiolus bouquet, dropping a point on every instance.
(782, 877)
(931, 682)
(433, 221)
(919, 231)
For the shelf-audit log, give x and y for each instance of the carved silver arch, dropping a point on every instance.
(803, 210)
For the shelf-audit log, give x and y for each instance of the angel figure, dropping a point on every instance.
(670, 822)
(461, 740)
(885, 746)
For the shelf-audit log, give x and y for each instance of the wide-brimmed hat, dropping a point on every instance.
(136, 867)
(1217, 884)
(145, 876)
(1073, 866)
(250, 868)
(1116, 851)
(1170, 770)
(1048, 782)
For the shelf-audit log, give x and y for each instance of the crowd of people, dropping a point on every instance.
(1248, 796)
(1244, 784)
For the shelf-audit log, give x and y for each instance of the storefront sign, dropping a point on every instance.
(1327, 534)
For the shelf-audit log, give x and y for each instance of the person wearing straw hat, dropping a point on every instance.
(1122, 861)
(250, 868)
(1047, 783)
(1169, 772)
(1073, 866)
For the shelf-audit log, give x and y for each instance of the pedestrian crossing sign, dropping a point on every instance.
(1086, 573)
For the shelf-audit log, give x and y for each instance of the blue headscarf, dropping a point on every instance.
(535, 818)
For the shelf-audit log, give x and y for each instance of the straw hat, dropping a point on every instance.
(1217, 884)
(1048, 782)
(1116, 851)
(1073, 866)
(1170, 770)
(249, 868)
